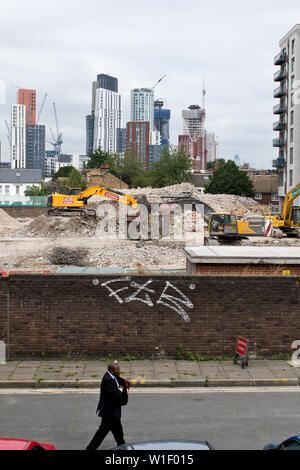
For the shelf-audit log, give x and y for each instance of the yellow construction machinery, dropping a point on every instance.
(288, 222)
(225, 228)
(75, 202)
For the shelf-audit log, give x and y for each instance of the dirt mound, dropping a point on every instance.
(8, 223)
(57, 227)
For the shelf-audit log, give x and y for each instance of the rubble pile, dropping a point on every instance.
(8, 223)
(58, 227)
(150, 256)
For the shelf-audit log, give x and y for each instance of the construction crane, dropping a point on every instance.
(160, 80)
(41, 108)
(9, 132)
(57, 142)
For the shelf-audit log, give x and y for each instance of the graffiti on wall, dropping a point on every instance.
(171, 297)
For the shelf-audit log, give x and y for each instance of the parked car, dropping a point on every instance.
(7, 443)
(292, 443)
(166, 445)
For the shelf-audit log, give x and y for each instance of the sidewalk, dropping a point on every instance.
(63, 373)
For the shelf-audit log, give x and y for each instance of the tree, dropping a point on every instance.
(75, 180)
(98, 158)
(63, 172)
(214, 164)
(134, 169)
(228, 179)
(173, 167)
(36, 191)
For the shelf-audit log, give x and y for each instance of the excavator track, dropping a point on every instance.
(76, 212)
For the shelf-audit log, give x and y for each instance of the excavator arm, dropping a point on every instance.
(286, 212)
(123, 198)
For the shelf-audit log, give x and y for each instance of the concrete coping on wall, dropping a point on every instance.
(243, 255)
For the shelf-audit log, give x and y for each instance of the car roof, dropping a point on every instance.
(175, 444)
(8, 443)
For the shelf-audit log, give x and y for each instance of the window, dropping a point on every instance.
(292, 134)
(290, 445)
(292, 118)
(292, 99)
(291, 178)
(281, 178)
(258, 196)
(293, 46)
(274, 197)
(17, 189)
(293, 64)
(291, 155)
(292, 82)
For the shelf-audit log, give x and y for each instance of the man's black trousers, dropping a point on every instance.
(107, 424)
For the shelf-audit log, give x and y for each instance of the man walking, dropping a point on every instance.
(113, 395)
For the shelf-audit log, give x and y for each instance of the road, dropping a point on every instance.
(237, 419)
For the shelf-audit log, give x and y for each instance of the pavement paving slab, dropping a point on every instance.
(149, 373)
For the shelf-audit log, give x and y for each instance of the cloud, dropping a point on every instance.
(59, 47)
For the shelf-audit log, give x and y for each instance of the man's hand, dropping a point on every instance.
(121, 387)
(127, 384)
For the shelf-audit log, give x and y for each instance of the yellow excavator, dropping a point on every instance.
(75, 202)
(288, 222)
(225, 229)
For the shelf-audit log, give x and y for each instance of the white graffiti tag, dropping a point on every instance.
(176, 302)
(114, 293)
(141, 288)
(175, 305)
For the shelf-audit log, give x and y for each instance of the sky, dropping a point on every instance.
(59, 47)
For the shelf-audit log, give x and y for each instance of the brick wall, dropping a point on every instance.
(242, 269)
(88, 315)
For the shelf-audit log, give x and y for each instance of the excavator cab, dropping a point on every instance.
(223, 224)
(74, 191)
(295, 216)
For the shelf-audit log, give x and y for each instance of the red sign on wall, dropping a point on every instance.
(241, 347)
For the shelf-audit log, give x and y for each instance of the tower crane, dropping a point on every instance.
(9, 132)
(41, 108)
(57, 143)
(160, 80)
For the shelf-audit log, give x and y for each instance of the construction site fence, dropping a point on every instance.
(23, 201)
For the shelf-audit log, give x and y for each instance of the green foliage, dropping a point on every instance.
(63, 172)
(228, 179)
(36, 191)
(214, 164)
(134, 168)
(98, 158)
(173, 167)
(75, 180)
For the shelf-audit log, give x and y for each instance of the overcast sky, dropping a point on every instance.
(59, 47)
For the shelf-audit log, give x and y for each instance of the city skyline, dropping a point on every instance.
(235, 59)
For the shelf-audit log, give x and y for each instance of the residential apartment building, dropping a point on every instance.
(287, 124)
(28, 99)
(105, 117)
(18, 136)
(142, 106)
(35, 147)
(137, 140)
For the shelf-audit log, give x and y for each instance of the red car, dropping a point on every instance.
(7, 443)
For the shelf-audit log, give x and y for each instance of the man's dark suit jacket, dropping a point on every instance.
(111, 398)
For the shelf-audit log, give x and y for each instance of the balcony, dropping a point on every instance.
(278, 126)
(279, 92)
(279, 76)
(278, 163)
(279, 109)
(278, 142)
(280, 58)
